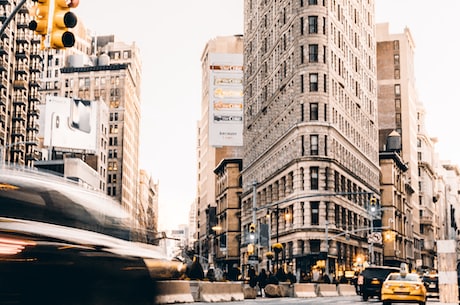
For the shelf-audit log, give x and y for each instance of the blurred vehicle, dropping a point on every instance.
(403, 287)
(370, 280)
(431, 282)
(61, 243)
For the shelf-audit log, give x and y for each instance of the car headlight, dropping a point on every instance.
(160, 269)
(10, 246)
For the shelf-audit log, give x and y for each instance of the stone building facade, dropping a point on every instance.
(311, 131)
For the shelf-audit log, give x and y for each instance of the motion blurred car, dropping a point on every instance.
(431, 282)
(61, 243)
(370, 280)
(403, 287)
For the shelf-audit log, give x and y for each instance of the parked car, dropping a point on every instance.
(431, 282)
(61, 243)
(403, 287)
(370, 280)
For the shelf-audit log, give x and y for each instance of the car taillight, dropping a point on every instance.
(375, 281)
(12, 246)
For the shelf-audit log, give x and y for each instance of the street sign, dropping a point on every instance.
(374, 238)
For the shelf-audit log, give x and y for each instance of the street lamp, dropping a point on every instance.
(216, 229)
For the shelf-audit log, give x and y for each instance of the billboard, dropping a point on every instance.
(70, 123)
(225, 99)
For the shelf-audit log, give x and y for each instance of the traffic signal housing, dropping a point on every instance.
(373, 204)
(252, 231)
(40, 11)
(63, 20)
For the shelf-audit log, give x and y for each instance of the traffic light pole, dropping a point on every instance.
(11, 16)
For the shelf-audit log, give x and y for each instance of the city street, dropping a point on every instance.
(351, 300)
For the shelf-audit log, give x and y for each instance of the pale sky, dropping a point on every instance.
(171, 36)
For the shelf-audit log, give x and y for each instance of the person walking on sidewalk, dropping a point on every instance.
(262, 279)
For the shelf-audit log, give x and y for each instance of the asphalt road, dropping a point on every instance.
(351, 300)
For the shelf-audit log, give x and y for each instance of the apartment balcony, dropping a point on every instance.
(21, 69)
(33, 127)
(20, 84)
(24, 54)
(21, 36)
(35, 82)
(23, 10)
(32, 140)
(3, 96)
(3, 83)
(4, 2)
(33, 156)
(35, 112)
(35, 68)
(3, 64)
(19, 116)
(17, 147)
(20, 99)
(34, 97)
(3, 17)
(18, 131)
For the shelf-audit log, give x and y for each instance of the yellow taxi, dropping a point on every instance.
(403, 287)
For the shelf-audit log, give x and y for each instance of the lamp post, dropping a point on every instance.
(216, 230)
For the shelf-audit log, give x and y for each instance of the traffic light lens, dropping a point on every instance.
(70, 20)
(68, 39)
(33, 25)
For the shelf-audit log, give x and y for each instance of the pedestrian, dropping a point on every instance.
(234, 273)
(211, 274)
(291, 277)
(272, 279)
(196, 270)
(262, 279)
(252, 277)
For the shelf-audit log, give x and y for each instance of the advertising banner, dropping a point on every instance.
(70, 123)
(225, 99)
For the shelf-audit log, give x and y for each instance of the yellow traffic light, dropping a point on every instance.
(252, 228)
(373, 204)
(251, 249)
(63, 19)
(40, 12)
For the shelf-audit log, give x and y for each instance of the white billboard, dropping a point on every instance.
(225, 99)
(70, 123)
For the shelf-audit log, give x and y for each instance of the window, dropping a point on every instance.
(314, 145)
(396, 59)
(314, 183)
(313, 82)
(312, 24)
(301, 25)
(398, 90)
(302, 89)
(314, 211)
(315, 246)
(113, 128)
(301, 55)
(312, 2)
(313, 52)
(314, 112)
